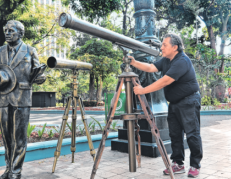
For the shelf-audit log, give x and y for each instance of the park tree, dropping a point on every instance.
(7, 8)
(41, 24)
(104, 58)
(214, 13)
(94, 10)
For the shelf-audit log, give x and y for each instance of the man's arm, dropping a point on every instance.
(151, 68)
(159, 84)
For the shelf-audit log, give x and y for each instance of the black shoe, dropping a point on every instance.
(14, 175)
(5, 175)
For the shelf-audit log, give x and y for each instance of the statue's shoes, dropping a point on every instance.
(14, 175)
(4, 175)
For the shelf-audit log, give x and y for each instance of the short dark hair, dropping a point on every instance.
(19, 26)
(175, 40)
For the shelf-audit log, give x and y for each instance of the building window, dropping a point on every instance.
(52, 52)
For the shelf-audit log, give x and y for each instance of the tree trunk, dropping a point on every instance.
(97, 83)
(220, 88)
(92, 87)
(212, 37)
(208, 93)
(124, 21)
(220, 91)
(224, 36)
(100, 89)
(2, 35)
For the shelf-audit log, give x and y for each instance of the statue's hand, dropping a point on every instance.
(40, 79)
(4, 79)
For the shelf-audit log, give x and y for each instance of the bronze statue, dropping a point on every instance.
(19, 69)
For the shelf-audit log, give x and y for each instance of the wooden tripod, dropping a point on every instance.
(74, 98)
(131, 79)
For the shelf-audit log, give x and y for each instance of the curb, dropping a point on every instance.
(62, 112)
(211, 112)
(42, 150)
(216, 112)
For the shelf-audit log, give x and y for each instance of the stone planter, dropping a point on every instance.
(42, 150)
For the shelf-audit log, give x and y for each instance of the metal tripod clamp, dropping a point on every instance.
(130, 117)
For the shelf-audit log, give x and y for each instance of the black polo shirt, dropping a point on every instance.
(180, 68)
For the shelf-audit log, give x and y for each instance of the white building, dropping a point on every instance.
(49, 42)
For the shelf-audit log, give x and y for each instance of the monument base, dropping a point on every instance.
(147, 149)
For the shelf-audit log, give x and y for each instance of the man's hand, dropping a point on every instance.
(131, 58)
(138, 89)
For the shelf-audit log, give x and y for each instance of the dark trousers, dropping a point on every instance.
(184, 117)
(14, 123)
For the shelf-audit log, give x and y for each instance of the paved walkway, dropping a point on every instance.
(216, 162)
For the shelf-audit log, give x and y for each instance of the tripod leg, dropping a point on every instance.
(73, 132)
(138, 152)
(155, 132)
(91, 146)
(109, 121)
(61, 133)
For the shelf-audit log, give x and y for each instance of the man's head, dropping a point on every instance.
(172, 44)
(14, 31)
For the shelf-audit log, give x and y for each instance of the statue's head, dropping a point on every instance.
(14, 31)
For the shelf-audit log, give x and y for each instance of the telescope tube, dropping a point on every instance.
(53, 62)
(66, 20)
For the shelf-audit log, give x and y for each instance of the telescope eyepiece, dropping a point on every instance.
(51, 62)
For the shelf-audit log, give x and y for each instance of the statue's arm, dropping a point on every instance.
(35, 63)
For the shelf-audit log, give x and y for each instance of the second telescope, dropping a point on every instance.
(53, 62)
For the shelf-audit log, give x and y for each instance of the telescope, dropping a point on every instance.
(66, 20)
(53, 62)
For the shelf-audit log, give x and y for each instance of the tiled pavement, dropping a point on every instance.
(216, 163)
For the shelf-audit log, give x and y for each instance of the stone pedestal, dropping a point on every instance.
(148, 143)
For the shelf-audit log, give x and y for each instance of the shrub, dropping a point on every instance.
(208, 101)
(92, 103)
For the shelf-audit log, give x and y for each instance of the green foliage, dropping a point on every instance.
(50, 133)
(101, 128)
(110, 82)
(58, 81)
(40, 132)
(81, 130)
(208, 101)
(114, 123)
(93, 9)
(59, 104)
(30, 128)
(90, 124)
(69, 126)
(205, 63)
(55, 129)
(93, 127)
(92, 103)
(101, 55)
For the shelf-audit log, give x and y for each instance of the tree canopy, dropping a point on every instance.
(93, 9)
(104, 58)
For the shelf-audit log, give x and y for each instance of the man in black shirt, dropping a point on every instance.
(182, 91)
